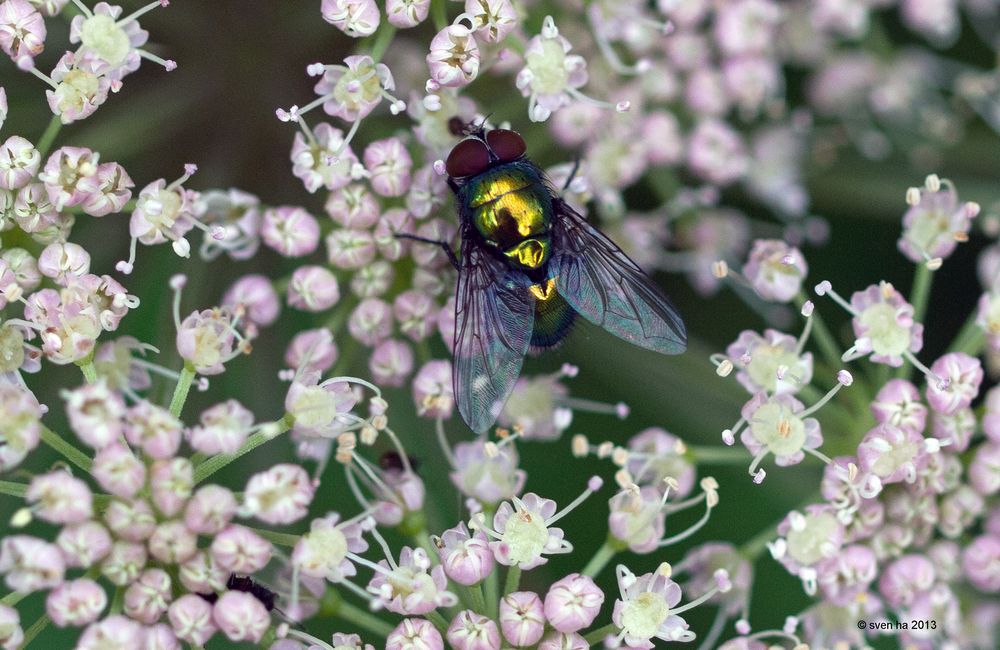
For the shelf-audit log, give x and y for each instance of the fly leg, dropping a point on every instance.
(572, 175)
(445, 246)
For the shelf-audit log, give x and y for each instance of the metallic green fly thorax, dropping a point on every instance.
(511, 207)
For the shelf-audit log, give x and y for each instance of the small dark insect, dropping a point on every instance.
(529, 264)
(457, 126)
(392, 460)
(248, 585)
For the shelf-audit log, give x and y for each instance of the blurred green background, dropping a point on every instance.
(239, 60)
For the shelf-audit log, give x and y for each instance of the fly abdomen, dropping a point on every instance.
(553, 317)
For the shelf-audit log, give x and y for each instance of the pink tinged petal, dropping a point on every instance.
(240, 616)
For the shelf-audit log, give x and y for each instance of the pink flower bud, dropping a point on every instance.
(356, 18)
(414, 634)
(453, 59)
(192, 620)
(172, 481)
(471, 631)
(312, 350)
(19, 162)
(61, 260)
(95, 413)
(466, 559)
(240, 550)
(60, 498)
(391, 363)
(573, 603)
(124, 562)
(84, 544)
(241, 617)
(131, 520)
(172, 542)
(313, 288)
(210, 510)
(154, 429)
(432, 390)
(280, 495)
(115, 631)
(147, 599)
(290, 230)
(255, 295)
(406, 13)
(76, 603)
(389, 164)
(223, 429)
(118, 471)
(521, 618)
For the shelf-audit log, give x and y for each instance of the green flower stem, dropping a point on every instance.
(181, 390)
(607, 551)
(756, 545)
(69, 452)
(87, 367)
(491, 586)
(439, 14)
(281, 539)
(491, 589)
(720, 455)
(35, 629)
(51, 131)
(363, 619)
(117, 601)
(217, 462)
(921, 292)
(13, 598)
(600, 634)
(513, 580)
(478, 601)
(382, 41)
(970, 339)
(13, 489)
(919, 297)
(435, 617)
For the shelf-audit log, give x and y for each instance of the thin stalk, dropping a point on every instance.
(736, 455)
(181, 390)
(382, 41)
(13, 598)
(35, 629)
(86, 366)
(217, 462)
(513, 580)
(919, 297)
(478, 601)
(602, 557)
(600, 634)
(13, 489)
(434, 617)
(970, 338)
(363, 619)
(49, 136)
(281, 539)
(69, 452)
(439, 14)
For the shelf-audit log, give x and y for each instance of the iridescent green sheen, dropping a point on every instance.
(511, 207)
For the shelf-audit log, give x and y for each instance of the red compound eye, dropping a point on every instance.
(468, 158)
(506, 144)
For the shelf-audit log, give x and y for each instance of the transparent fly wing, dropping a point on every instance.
(494, 316)
(600, 282)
